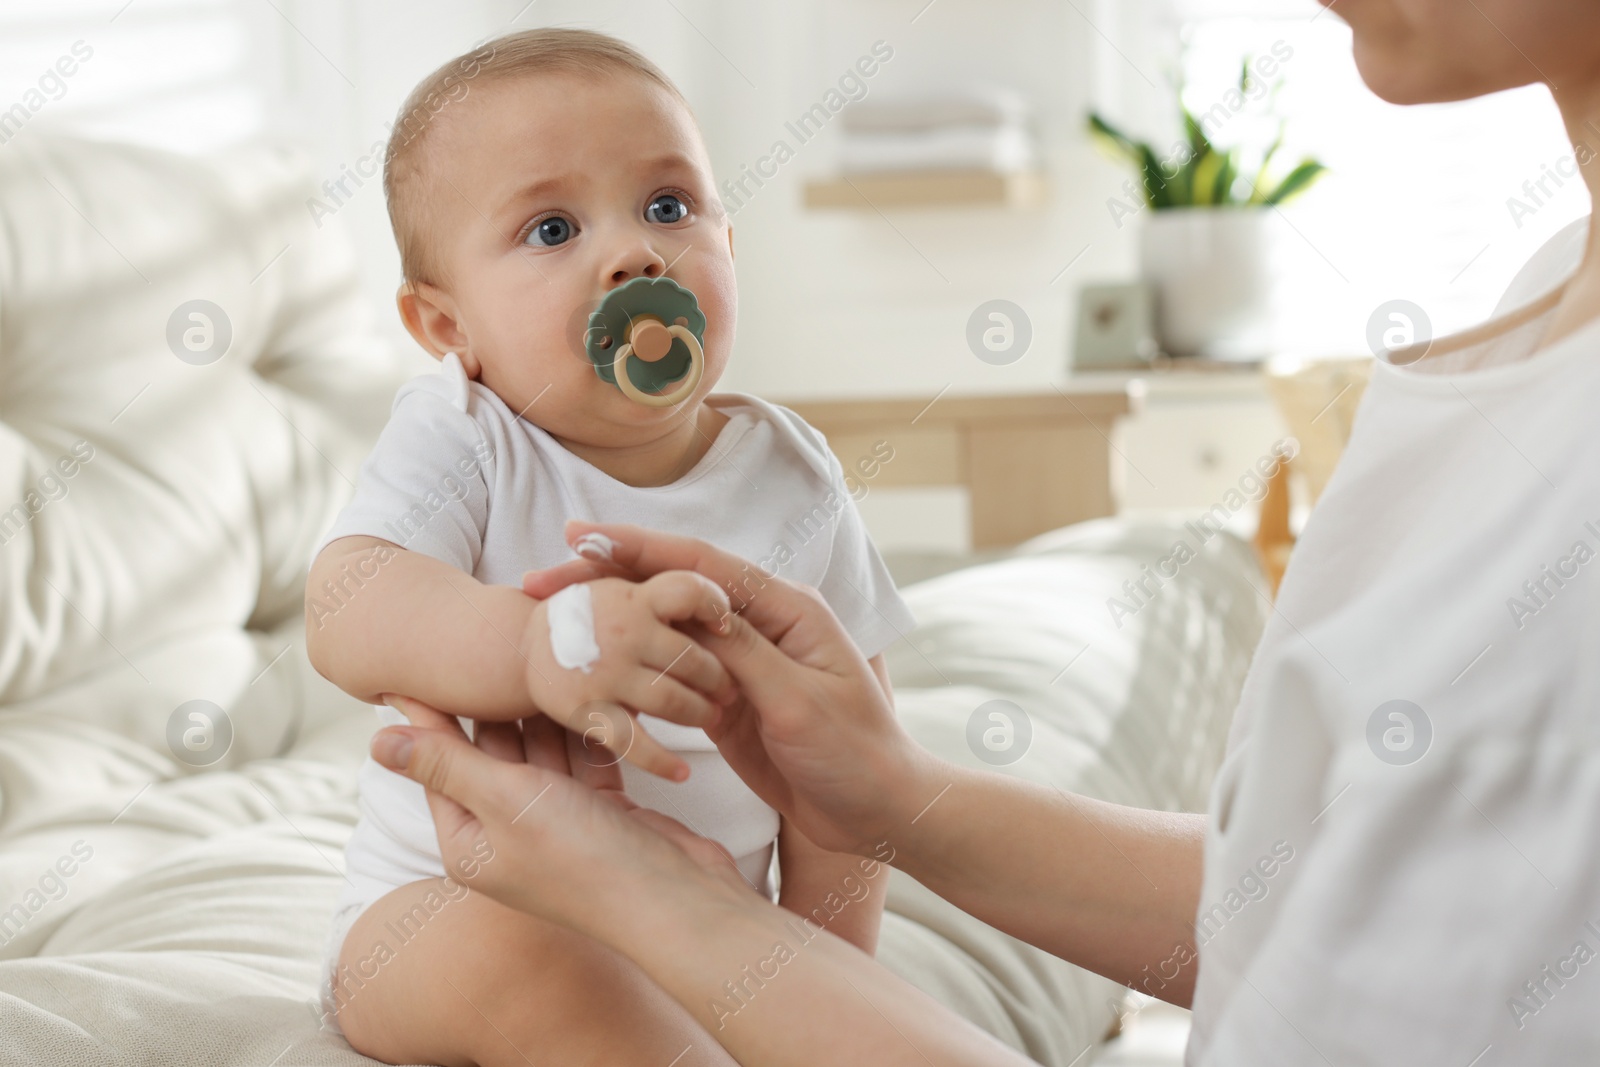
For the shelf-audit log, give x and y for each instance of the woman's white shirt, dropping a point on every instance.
(1403, 858)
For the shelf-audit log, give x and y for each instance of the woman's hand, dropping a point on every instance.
(812, 732)
(639, 664)
(668, 900)
(545, 805)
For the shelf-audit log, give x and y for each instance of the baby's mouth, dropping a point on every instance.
(645, 337)
(659, 376)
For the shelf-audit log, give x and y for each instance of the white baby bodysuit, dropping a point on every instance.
(458, 476)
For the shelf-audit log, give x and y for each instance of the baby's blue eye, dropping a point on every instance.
(551, 231)
(666, 208)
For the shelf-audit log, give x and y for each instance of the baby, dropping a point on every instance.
(549, 168)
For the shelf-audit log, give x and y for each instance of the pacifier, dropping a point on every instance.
(645, 338)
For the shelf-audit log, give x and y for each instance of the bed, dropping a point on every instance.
(166, 881)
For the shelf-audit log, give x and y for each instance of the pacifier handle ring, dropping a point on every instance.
(697, 361)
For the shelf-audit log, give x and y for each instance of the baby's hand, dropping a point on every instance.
(598, 650)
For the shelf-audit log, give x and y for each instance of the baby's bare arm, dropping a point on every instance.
(841, 893)
(380, 619)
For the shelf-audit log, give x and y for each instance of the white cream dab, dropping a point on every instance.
(571, 617)
(595, 546)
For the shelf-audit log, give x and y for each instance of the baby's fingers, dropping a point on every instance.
(607, 734)
(670, 652)
(681, 596)
(654, 693)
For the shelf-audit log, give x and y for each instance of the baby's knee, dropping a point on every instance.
(386, 990)
(475, 982)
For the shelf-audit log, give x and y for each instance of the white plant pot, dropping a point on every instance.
(1210, 272)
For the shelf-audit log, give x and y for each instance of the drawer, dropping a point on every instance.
(1190, 454)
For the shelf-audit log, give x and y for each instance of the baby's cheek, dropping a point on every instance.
(721, 324)
(717, 287)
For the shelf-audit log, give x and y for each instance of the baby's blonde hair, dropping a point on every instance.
(407, 159)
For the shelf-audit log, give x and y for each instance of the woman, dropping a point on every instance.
(1400, 863)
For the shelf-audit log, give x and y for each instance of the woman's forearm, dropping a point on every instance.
(1113, 889)
(759, 981)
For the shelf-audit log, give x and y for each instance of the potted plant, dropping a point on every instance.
(1204, 247)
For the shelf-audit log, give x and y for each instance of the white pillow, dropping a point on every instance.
(157, 512)
(1130, 709)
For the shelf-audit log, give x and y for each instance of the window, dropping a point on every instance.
(172, 73)
(1427, 203)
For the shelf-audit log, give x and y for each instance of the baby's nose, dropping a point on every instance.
(642, 264)
(620, 275)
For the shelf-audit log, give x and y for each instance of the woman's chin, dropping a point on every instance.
(1398, 77)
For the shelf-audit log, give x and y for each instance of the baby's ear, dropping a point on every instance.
(430, 317)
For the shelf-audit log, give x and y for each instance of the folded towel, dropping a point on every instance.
(976, 105)
(1005, 149)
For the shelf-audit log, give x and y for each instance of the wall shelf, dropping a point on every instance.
(942, 188)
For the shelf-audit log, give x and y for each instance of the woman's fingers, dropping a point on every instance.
(767, 676)
(544, 743)
(450, 819)
(446, 764)
(551, 855)
(502, 740)
(640, 553)
(552, 746)
(596, 767)
(419, 714)
(423, 752)
(546, 583)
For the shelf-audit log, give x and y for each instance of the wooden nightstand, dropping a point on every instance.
(1030, 462)
(1201, 428)
(1163, 439)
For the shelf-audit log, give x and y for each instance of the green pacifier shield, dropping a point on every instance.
(608, 331)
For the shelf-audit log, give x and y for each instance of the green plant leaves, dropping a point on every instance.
(1199, 174)
(1112, 139)
(1297, 181)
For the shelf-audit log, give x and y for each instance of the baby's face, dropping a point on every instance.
(550, 191)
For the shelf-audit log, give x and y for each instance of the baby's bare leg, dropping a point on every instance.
(477, 984)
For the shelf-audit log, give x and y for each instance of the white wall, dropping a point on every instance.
(342, 70)
(832, 303)
(854, 302)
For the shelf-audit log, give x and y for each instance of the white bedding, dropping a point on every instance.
(189, 929)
